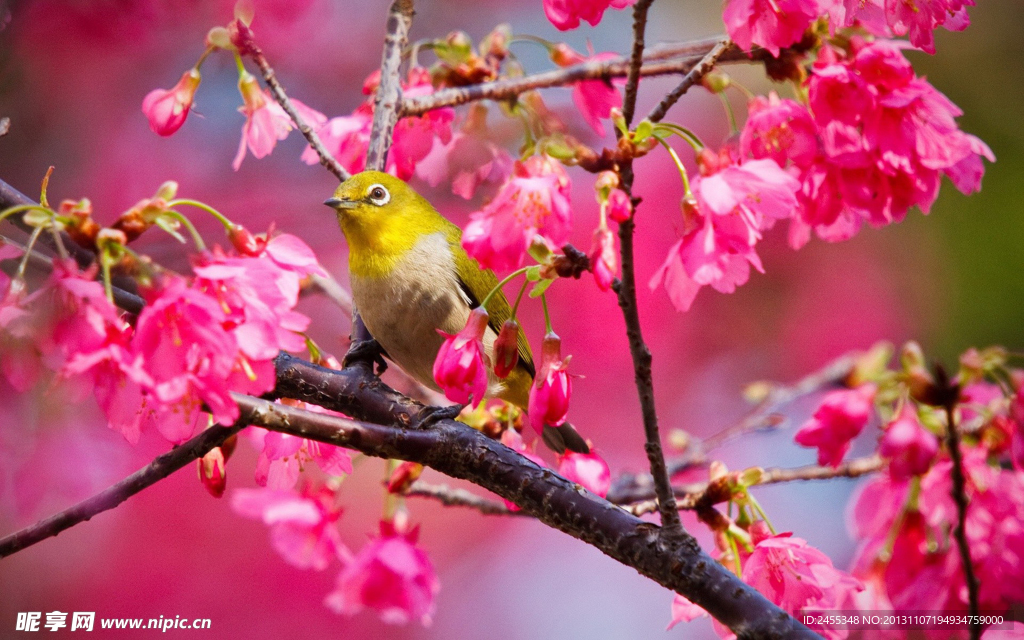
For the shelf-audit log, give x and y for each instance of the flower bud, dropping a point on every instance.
(166, 109)
(403, 477)
(549, 395)
(506, 349)
(620, 208)
(212, 472)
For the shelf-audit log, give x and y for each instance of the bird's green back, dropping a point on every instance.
(477, 282)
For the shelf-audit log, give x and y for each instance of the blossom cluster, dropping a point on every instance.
(390, 574)
(873, 140)
(195, 342)
(903, 518)
(776, 24)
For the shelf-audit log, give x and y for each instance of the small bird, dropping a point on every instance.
(410, 277)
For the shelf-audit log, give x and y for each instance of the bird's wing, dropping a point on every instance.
(476, 282)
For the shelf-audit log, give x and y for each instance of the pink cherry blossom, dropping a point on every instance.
(795, 575)
(347, 137)
(189, 356)
(460, 368)
(840, 418)
(684, 611)
(734, 204)
(265, 121)
(908, 542)
(535, 200)
(595, 99)
(282, 456)
(392, 576)
(414, 137)
(772, 24)
(566, 14)
(303, 525)
(469, 160)
(587, 469)
(604, 261)
(166, 109)
(909, 447)
(549, 395)
(781, 130)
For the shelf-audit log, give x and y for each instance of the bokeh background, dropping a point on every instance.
(72, 77)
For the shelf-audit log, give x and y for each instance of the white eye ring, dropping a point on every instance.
(378, 195)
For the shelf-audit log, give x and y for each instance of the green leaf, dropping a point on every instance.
(643, 131)
(539, 288)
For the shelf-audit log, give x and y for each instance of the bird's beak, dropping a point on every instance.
(339, 203)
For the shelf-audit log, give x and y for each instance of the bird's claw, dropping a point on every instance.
(431, 415)
(367, 351)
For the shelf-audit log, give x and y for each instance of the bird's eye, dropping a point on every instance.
(378, 195)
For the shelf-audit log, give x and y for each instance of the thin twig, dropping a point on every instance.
(691, 496)
(959, 494)
(247, 46)
(389, 93)
(626, 290)
(452, 497)
(767, 414)
(692, 77)
(160, 468)
(678, 59)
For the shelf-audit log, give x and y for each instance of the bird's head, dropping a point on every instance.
(379, 211)
(371, 196)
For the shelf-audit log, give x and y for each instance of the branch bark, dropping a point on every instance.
(664, 60)
(692, 77)
(389, 93)
(247, 46)
(959, 495)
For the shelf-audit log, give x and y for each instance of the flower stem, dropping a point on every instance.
(547, 314)
(519, 298)
(20, 274)
(196, 238)
(501, 284)
(221, 218)
(679, 165)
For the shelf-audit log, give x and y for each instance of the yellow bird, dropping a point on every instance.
(410, 277)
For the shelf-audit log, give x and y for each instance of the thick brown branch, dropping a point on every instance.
(678, 59)
(247, 46)
(693, 76)
(389, 93)
(155, 471)
(625, 288)
(461, 452)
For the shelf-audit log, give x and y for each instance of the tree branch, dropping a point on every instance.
(389, 93)
(691, 497)
(248, 47)
(663, 61)
(959, 494)
(693, 76)
(160, 468)
(625, 288)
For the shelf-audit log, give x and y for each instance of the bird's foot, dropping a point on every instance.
(431, 415)
(366, 351)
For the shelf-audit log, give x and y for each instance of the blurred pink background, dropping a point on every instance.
(72, 77)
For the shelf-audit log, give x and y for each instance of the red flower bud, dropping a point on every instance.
(506, 349)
